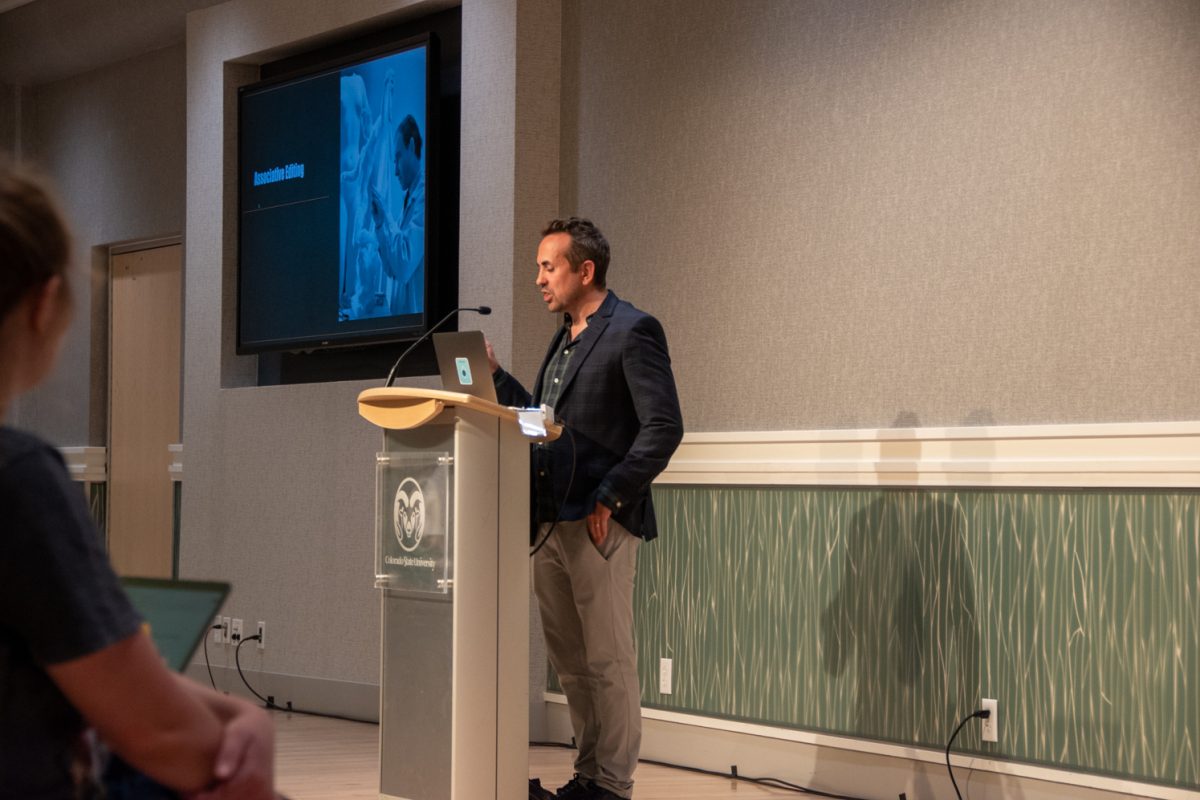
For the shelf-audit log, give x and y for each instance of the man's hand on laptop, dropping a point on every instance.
(492, 362)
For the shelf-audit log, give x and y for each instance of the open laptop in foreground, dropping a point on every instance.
(179, 613)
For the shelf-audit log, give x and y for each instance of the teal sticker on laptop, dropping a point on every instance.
(460, 357)
(464, 371)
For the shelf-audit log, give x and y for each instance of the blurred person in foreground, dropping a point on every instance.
(75, 664)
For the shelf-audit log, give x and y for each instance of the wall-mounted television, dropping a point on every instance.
(338, 217)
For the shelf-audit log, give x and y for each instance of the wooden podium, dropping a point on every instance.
(452, 567)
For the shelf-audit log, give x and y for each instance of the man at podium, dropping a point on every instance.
(608, 377)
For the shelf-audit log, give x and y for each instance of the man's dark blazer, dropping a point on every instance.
(619, 403)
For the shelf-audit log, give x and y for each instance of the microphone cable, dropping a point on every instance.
(570, 483)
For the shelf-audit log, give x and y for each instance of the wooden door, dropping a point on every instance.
(144, 379)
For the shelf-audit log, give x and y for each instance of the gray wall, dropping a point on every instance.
(849, 214)
(939, 212)
(112, 140)
(279, 481)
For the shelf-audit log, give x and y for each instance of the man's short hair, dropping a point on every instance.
(587, 244)
(408, 132)
(34, 243)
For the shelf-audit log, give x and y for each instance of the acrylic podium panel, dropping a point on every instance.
(452, 569)
(414, 517)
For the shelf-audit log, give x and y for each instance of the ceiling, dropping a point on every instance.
(47, 40)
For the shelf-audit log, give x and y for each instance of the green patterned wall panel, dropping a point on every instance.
(888, 614)
(97, 494)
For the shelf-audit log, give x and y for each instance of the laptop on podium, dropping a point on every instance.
(463, 363)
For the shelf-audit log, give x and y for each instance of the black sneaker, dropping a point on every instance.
(578, 788)
(600, 793)
(537, 791)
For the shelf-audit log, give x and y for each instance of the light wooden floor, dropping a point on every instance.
(329, 759)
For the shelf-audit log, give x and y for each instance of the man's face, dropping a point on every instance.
(407, 163)
(561, 287)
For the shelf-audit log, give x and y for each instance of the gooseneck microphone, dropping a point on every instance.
(484, 310)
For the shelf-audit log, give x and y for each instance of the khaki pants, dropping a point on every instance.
(586, 600)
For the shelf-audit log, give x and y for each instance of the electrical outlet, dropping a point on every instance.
(225, 630)
(235, 633)
(218, 631)
(262, 635)
(664, 676)
(991, 726)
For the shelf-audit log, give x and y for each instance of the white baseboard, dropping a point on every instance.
(855, 767)
(323, 695)
(358, 701)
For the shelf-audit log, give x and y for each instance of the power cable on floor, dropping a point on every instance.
(777, 783)
(269, 701)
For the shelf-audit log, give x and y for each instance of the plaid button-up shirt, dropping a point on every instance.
(552, 382)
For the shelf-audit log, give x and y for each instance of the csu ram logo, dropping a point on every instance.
(408, 514)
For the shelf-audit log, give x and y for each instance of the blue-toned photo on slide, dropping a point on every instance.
(382, 187)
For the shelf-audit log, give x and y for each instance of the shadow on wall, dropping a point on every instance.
(903, 624)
